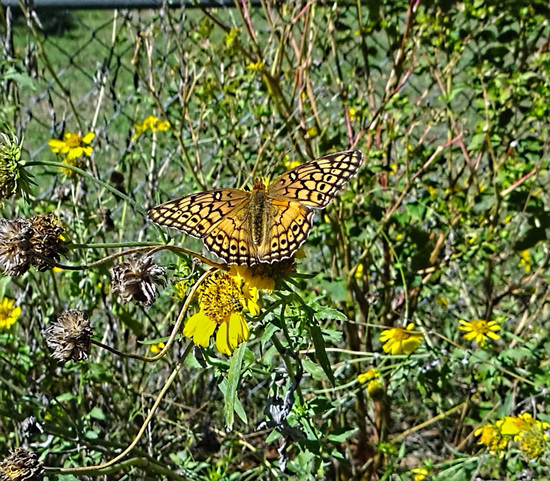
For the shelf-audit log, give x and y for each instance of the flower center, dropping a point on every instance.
(219, 297)
(401, 334)
(480, 327)
(74, 140)
(5, 311)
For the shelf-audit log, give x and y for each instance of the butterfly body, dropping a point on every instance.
(267, 224)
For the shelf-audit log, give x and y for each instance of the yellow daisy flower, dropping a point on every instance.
(420, 474)
(257, 67)
(8, 313)
(290, 164)
(533, 442)
(221, 301)
(526, 261)
(480, 330)
(399, 340)
(152, 123)
(492, 437)
(264, 276)
(156, 348)
(73, 146)
(368, 376)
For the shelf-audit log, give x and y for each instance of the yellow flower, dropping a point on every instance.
(290, 164)
(257, 67)
(156, 348)
(420, 474)
(368, 376)
(526, 261)
(73, 146)
(76, 162)
(401, 341)
(8, 313)
(376, 389)
(263, 276)
(254, 277)
(354, 114)
(444, 303)
(221, 303)
(534, 442)
(313, 132)
(359, 271)
(480, 330)
(491, 436)
(152, 123)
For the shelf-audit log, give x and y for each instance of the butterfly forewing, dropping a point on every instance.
(315, 183)
(198, 214)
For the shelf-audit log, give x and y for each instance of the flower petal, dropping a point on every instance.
(204, 332)
(88, 138)
(222, 340)
(75, 153)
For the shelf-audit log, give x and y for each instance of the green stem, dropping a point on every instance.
(114, 245)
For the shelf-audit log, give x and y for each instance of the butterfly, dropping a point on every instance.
(267, 224)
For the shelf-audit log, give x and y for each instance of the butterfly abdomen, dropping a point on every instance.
(258, 206)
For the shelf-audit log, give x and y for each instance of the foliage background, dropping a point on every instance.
(446, 221)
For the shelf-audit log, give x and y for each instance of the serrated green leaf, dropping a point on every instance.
(326, 312)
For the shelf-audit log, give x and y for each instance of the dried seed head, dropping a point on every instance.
(15, 246)
(21, 465)
(135, 280)
(69, 336)
(46, 240)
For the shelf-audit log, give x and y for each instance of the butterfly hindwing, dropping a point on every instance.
(198, 214)
(289, 229)
(230, 239)
(315, 183)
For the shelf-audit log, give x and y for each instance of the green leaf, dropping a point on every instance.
(341, 435)
(316, 371)
(97, 413)
(3, 283)
(321, 353)
(269, 330)
(66, 396)
(232, 404)
(91, 434)
(325, 312)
